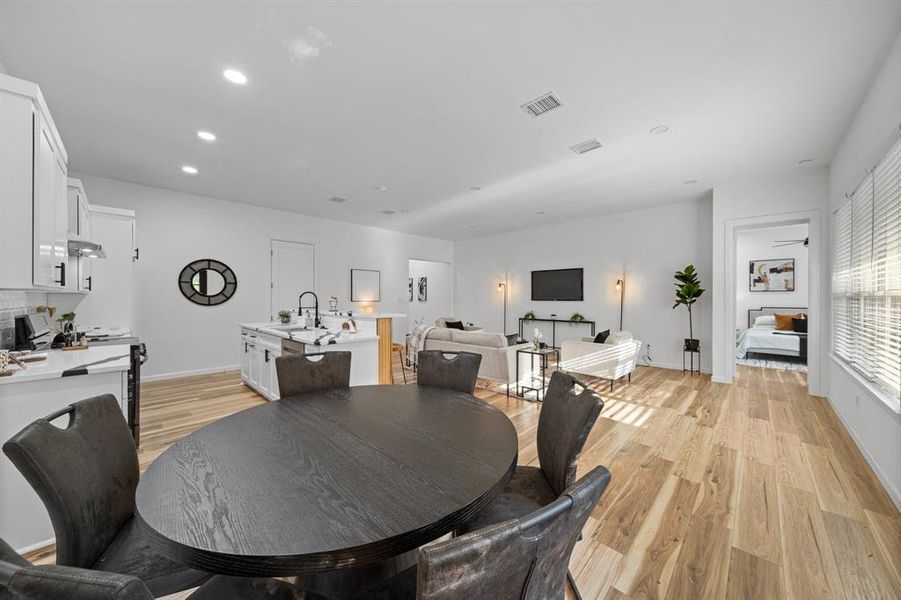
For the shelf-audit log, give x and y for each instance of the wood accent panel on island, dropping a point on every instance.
(379, 324)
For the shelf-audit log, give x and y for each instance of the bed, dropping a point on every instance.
(761, 336)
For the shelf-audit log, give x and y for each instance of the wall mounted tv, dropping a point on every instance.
(557, 284)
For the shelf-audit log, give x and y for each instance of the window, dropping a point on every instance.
(866, 278)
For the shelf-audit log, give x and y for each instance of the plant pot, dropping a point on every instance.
(691, 345)
(285, 320)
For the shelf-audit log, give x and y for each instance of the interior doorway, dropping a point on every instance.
(810, 275)
(292, 272)
(772, 298)
(429, 293)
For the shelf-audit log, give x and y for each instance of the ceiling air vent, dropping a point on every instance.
(586, 146)
(387, 212)
(337, 200)
(542, 104)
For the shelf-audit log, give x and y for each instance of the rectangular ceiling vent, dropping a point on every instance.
(586, 146)
(387, 212)
(337, 200)
(542, 104)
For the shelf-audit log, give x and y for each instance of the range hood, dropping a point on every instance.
(79, 246)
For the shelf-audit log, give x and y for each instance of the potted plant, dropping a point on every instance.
(688, 290)
(284, 316)
(529, 316)
(576, 318)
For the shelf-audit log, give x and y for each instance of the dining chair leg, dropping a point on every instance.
(572, 584)
(400, 354)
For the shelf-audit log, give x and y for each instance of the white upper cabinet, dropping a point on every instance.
(33, 197)
(78, 277)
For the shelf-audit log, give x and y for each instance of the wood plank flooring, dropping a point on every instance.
(746, 491)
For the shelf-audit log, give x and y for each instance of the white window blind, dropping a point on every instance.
(866, 277)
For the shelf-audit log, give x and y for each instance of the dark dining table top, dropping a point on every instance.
(327, 480)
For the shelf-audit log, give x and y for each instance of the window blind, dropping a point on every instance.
(866, 277)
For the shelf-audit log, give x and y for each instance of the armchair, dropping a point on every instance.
(615, 358)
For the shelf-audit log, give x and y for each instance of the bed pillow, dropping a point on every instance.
(799, 325)
(765, 321)
(784, 322)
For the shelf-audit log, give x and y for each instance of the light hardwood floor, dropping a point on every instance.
(753, 490)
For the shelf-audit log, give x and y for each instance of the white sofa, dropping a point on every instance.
(498, 358)
(615, 358)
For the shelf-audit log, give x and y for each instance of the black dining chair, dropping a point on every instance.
(86, 475)
(20, 580)
(301, 374)
(567, 418)
(526, 558)
(457, 371)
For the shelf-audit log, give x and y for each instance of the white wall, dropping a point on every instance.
(440, 301)
(872, 423)
(647, 245)
(175, 228)
(757, 244)
(761, 201)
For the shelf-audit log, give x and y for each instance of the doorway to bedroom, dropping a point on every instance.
(772, 296)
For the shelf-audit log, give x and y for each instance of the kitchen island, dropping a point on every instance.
(30, 394)
(262, 343)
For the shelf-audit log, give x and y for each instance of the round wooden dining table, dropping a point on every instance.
(328, 480)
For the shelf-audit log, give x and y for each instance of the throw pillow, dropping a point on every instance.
(784, 322)
(512, 339)
(454, 325)
(602, 337)
(799, 325)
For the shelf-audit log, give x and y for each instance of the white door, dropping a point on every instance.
(112, 297)
(292, 272)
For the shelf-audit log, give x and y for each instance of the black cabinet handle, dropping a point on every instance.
(137, 255)
(267, 355)
(90, 283)
(245, 347)
(62, 274)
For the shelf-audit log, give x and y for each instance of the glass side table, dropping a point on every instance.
(536, 384)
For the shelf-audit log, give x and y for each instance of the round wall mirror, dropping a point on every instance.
(207, 282)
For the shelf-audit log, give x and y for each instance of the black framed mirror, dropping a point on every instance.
(207, 282)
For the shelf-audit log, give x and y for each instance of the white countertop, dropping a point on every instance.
(96, 359)
(361, 316)
(306, 336)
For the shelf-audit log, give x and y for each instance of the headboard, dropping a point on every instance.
(753, 313)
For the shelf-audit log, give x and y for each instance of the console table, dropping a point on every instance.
(553, 323)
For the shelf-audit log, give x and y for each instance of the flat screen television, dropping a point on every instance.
(557, 284)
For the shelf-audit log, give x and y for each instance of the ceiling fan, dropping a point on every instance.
(781, 243)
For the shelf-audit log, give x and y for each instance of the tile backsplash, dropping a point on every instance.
(12, 304)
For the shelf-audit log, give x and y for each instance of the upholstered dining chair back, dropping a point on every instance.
(568, 414)
(520, 559)
(85, 473)
(308, 373)
(456, 371)
(69, 583)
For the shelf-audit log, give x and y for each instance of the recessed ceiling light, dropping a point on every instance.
(189, 170)
(690, 181)
(235, 76)
(475, 188)
(804, 161)
(381, 188)
(206, 136)
(660, 129)
(387, 212)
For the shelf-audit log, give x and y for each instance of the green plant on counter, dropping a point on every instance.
(529, 316)
(66, 317)
(284, 316)
(576, 318)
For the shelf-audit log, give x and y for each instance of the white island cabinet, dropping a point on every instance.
(262, 343)
(30, 394)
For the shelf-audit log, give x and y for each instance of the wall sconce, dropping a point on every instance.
(503, 286)
(621, 288)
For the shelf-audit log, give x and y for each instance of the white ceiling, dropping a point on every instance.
(424, 98)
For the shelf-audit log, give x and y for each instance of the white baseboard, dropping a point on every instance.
(177, 374)
(893, 492)
(37, 546)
